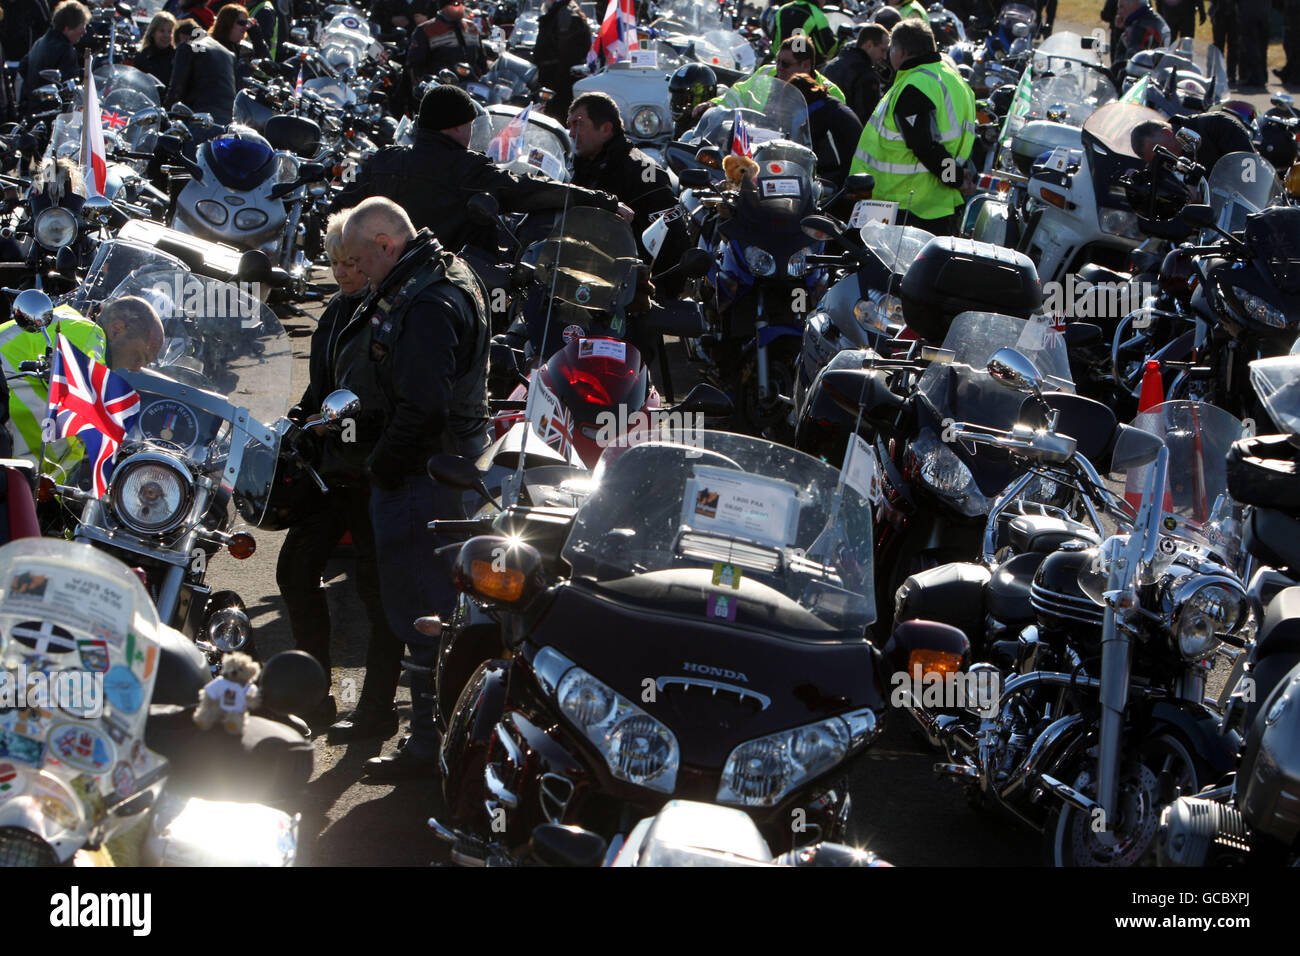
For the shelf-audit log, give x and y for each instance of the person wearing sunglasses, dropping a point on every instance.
(203, 73)
(796, 55)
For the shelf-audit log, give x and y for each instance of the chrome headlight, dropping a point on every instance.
(55, 228)
(150, 493)
(798, 264)
(1119, 222)
(250, 219)
(760, 772)
(1261, 310)
(212, 211)
(228, 629)
(945, 473)
(647, 122)
(1204, 611)
(636, 747)
(878, 311)
(759, 261)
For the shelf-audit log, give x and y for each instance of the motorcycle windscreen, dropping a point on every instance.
(589, 260)
(777, 110)
(1272, 234)
(111, 81)
(81, 631)
(115, 260)
(1067, 45)
(1071, 94)
(1195, 500)
(1240, 184)
(738, 505)
(1277, 383)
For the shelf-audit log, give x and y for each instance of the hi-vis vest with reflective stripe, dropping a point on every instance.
(913, 9)
(29, 398)
(900, 177)
(750, 95)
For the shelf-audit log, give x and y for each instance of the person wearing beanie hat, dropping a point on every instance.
(887, 17)
(433, 178)
(445, 40)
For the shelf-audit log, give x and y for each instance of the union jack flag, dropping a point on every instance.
(740, 144)
(113, 119)
(92, 403)
(617, 35)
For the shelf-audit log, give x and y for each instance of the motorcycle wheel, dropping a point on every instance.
(768, 418)
(1168, 768)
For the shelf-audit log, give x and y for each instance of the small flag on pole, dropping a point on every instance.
(94, 155)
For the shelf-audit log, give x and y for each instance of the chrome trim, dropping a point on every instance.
(139, 459)
(544, 787)
(549, 667)
(663, 683)
(496, 786)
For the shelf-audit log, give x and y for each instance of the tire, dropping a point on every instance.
(1168, 767)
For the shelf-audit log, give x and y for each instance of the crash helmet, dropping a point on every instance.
(1000, 99)
(1243, 111)
(690, 86)
(1277, 145)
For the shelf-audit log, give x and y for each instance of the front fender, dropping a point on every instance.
(465, 744)
(1202, 730)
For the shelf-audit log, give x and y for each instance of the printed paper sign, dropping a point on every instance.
(873, 210)
(479, 90)
(83, 601)
(780, 187)
(861, 470)
(744, 57)
(654, 237)
(1059, 159)
(735, 504)
(645, 58)
(540, 159)
(602, 348)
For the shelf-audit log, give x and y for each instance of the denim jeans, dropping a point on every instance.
(415, 580)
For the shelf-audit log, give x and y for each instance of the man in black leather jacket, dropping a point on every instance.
(203, 78)
(57, 47)
(433, 179)
(563, 39)
(416, 355)
(858, 70)
(445, 40)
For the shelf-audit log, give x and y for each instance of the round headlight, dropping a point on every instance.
(585, 700)
(55, 228)
(250, 219)
(640, 747)
(646, 122)
(759, 261)
(212, 211)
(150, 494)
(228, 629)
(1211, 610)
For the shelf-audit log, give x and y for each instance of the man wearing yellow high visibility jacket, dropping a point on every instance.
(918, 141)
(794, 57)
(133, 339)
(806, 17)
(912, 9)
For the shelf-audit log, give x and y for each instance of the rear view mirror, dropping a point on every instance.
(311, 172)
(1197, 215)
(707, 400)
(1014, 370)
(695, 178)
(1082, 335)
(483, 208)
(292, 683)
(696, 263)
(860, 185)
(455, 471)
(51, 76)
(1134, 448)
(822, 228)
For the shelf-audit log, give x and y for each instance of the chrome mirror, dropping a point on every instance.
(1014, 370)
(33, 310)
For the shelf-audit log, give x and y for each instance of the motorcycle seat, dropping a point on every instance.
(950, 594)
(1042, 533)
(1096, 274)
(1007, 596)
(1273, 537)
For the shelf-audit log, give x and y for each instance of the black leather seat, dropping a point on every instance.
(1007, 596)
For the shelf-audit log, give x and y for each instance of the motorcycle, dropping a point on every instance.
(745, 594)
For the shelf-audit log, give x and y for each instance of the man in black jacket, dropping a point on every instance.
(416, 355)
(57, 48)
(605, 160)
(203, 78)
(433, 179)
(1221, 133)
(563, 39)
(444, 41)
(311, 540)
(858, 70)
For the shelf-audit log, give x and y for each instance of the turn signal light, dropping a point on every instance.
(241, 545)
(430, 626)
(498, 569)
(505, 584)
(933, 662)
(1055, 198)
(45, 489)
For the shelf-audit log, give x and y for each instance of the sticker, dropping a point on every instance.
(549, 165)
(80, 746)
(654, 237)
(781, 187)
(548, 415)
(1170, 523)
(735, 504)
(351, 23)
(727, 576)
(862, 470)
(114, 730)
(873, 210)
(602, 348)
(744, 56)
(583, 295)
(722, 606)
(57, 810)
(573, 332)
(44, 637)
(87, 789)
(648, 58)
(139, 757)
(123, 780)
(1059, 159)
(81, 600)
(1168, 546)
(82, 695)
(94, 654)
(123, 690)
(12, 781)
(29, 585)
(775, 168)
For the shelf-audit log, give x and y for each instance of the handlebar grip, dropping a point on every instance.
(469, 526)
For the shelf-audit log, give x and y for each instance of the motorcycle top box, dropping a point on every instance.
(952, 275)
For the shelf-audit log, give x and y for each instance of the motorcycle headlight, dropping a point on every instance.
(636, 747)
(250, 219)
(759, 261)
(212, 211)
(760, 772)
(55, 228)
(1206, 613)
(1119, 222)
(798, 263)
(150, 493)
(879, 311)
(1260, 309)
(647, 122)
(945, 473)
